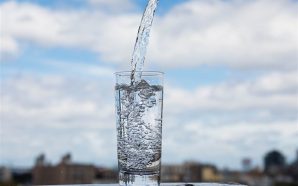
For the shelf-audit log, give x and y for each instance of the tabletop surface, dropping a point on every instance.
(168, 184)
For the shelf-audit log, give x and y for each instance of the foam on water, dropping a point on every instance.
(139, 127)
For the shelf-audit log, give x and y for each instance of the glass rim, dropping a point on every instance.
(144, 73)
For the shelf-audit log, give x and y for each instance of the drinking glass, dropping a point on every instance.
(139, 108)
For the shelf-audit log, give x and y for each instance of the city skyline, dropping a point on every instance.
(230, 86)
(275, 172)
(246, 163)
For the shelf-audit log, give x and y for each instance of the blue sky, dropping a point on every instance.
(33, 56)
(230, 86)
(164, 5)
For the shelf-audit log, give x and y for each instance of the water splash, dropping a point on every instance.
(139, 126)
(140, 48)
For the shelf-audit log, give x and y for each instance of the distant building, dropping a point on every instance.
(22, 176)
(40, 160)
(292, 169)
(172, 173)
(192, 172)
(104, 175)
(231, 176)
(189, 172)
(210, 174)
(255, 177)
(5, 174)
(246, 164)
(15, 176)
(66, 172)
(274, 163)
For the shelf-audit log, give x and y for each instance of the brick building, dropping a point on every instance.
(189, 172)
(65, 172)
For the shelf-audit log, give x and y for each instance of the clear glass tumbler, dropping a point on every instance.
(139, 108)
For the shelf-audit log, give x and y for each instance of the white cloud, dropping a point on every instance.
(8, 48)
(81, 69)
(219, 123)
(274, 83)
(33, 97)
(55, 115)
(113, 5)
(240, 34)
(226, 145)
(77, 115)
(271, 92)
(91, 29)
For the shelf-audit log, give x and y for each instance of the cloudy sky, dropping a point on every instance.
(231, 84)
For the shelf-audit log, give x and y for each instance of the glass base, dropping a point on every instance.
(138, 179)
